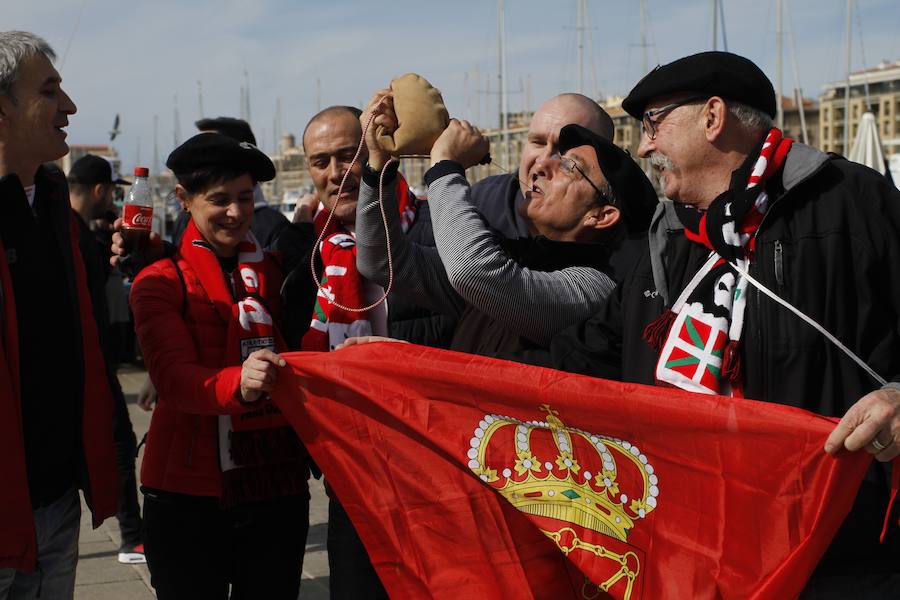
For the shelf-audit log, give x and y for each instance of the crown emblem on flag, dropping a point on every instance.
(548, 469)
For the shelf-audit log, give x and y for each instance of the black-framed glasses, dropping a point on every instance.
(648, 125)
(571, 167)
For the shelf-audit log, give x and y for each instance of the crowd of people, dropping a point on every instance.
(572, 263)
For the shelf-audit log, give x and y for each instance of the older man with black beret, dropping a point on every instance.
(756, 227)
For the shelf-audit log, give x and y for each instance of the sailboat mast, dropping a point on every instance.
(644, 33)
(798, 90)
(779, 90)
(504, 108)
(579, 26)
(200, 98)
(847, 87)
(715, 23)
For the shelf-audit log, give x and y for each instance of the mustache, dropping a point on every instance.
(661, 161)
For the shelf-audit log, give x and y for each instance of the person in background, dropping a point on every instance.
(91, 187)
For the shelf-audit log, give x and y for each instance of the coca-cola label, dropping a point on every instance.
(137, 217)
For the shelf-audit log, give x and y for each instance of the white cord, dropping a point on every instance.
(812, 323)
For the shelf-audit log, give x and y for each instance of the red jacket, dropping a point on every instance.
(18, 546)
(183, 340)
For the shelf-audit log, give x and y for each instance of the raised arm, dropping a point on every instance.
(418, 272)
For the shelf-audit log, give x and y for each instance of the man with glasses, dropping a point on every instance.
(501, 199)
(820, 234)
(510, 295)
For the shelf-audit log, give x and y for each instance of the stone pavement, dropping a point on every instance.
(101, 577)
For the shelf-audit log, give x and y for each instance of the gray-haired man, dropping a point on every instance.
(55, 403)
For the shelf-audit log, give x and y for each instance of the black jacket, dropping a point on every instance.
(829, 245)
(409, 321)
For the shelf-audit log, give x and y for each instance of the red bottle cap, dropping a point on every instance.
(141, 172)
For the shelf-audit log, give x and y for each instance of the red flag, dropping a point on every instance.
(468, 477)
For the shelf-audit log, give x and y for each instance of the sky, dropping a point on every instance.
(134, 58)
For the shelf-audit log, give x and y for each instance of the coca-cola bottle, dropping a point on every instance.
(137, 217)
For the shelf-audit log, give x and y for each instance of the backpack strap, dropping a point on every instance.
(183, 287)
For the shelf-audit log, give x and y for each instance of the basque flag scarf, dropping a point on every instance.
(698, 339)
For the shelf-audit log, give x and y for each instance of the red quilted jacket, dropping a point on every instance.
(182, 338)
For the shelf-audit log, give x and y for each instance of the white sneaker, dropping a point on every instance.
(132, 555)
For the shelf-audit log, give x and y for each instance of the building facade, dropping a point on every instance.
(876, 90)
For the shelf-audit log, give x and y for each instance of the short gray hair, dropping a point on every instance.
(749, 117)
(15, 48)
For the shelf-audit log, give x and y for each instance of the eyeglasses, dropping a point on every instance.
(571, 167)
(648, 125)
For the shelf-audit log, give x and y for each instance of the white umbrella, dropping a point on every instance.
(867, 148)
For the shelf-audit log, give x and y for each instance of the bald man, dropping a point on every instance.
(501, 198)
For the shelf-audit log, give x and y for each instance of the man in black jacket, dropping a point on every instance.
(813, 229)
(330, 141)
(92, 182)
(55, 405)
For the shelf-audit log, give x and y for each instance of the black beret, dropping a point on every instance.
(723, 74)
(635, 196)
(238, 129)
(206, 150)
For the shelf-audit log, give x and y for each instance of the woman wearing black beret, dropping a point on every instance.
(224, 476)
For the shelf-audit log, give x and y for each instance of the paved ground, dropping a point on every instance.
(101, 577)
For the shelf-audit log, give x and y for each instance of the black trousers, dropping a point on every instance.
(128, 511)
(352, 576)
(195, 549)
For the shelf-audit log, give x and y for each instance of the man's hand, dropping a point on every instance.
(305, 210)
(460, 142)
(384, 117)
(120, 257)
(146, 397)
(872, 423)
(366, 339)
(258, 374)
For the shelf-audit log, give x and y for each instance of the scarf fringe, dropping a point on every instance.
(732, 366)
(656, 332)
(264, 482)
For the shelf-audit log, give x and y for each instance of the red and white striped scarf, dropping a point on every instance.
(260, 455)
(700, 350)
(341, 281)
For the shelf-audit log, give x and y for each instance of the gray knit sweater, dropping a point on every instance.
(469, 267)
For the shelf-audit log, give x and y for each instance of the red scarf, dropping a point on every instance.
(330, 324)
(258, 452)
(18, 545)
(698, 339)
